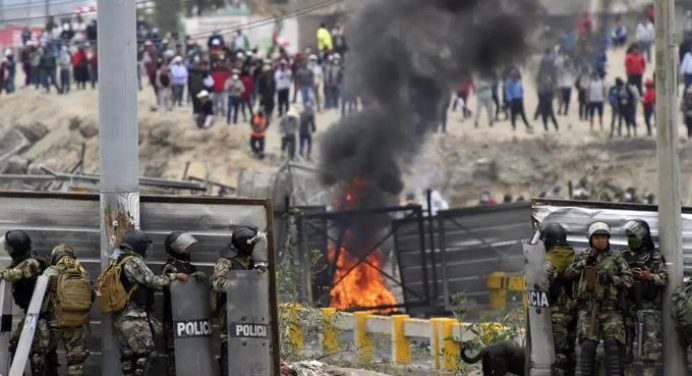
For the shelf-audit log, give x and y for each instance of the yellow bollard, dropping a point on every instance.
(497, 284)
(362, 337)
(450, 348)
(330, 343)
(401, 346)
(295, 331)
(435, 343)
(518, 283)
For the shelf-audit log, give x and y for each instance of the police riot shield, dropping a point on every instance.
(30, 323)
(249, 324)
(5, 325)
(542, 349)
(192, 328)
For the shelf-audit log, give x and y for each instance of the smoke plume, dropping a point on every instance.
(405, 56)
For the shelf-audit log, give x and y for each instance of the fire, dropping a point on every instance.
(357, 284)
(363, 286)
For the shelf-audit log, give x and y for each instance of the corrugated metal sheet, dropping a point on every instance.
(575, 216)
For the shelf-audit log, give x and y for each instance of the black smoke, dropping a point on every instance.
(405, 57)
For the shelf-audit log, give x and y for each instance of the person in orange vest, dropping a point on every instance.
(258, 125)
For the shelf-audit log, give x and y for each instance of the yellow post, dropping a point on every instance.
(401, 346)
(450, 348)
(518, 283)
(295, 331)
(435, 342)
(497, 284)
(362, 337)
(330, 343)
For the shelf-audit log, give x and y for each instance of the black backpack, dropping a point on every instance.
(165, 80)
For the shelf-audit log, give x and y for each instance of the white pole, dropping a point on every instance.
(117, 50)
(670, 217)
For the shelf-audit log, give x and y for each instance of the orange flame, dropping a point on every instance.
(363, 286)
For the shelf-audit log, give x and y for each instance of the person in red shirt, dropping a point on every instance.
(220, 73)
(584, 23)
(649, 102)
(635, 66)
(246, 97)
(464, 93)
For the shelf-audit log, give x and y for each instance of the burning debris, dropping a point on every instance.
(406, 56)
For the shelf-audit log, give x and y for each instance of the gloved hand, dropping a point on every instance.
(604, 278)
(200, 277)
(182, 277)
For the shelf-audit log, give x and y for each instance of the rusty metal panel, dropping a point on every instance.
(75, 218)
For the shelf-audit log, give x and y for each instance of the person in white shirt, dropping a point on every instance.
(596, 93)
(565, 81)
(319, 79)
(686, 69)
(283, 77)
(179, 76)
(645, 35)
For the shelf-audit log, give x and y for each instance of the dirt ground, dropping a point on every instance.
(461, 163)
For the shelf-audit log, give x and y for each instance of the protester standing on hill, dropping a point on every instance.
(235, 88)
(179, 75)
(266, 88)
(649, 103)
(646, 35)
(307, 128)
(484, 100)
(635, 66)
(628, 97)
(258, 126)
(582, 85)
(163, 82)
(596, 96)
(246, 97)
(514, 95)
(219, 73)
(283, 78)
(546, 93)
(565, 80)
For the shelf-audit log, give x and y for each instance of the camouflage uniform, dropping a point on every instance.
(134, 327)
(219, 282)
(74, 339)
(648, 293)
(614, 278)
(22, 275)
(562, 309)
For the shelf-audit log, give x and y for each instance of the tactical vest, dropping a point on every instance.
(143, 296)
(642, 290)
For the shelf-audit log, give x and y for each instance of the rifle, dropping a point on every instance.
(591, 276)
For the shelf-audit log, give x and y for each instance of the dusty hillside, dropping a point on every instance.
(461, 163)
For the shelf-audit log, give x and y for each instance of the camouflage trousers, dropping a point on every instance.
(135, 333)
(75, 343)
(607, 324)
(39, 346)
(565, 337)
(649, 341)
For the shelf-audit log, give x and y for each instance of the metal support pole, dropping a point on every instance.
(669, 217)
(117, 45)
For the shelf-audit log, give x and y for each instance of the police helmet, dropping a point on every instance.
(178, 243)
(553, 234)
(598, 228)
(137, 241)
(17, 243)
(638, 228)
(243, 242)
(60, 251)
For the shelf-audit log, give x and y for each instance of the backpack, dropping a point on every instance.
(110, 291)
(624, 96)
(165, 80)
(72, 297)
(681, 311)
(613, 96)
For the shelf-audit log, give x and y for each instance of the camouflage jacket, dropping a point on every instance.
(137, 272)
(560, 294)
(647, 292)
(219, 280)
(25, 269)
(613, 279)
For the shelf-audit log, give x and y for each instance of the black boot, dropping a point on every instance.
(612, 357)
(223, 360)
(587, 360)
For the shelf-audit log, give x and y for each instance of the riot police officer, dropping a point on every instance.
(604, 278)
(643, 314)
(237, 256)
(559, 255)
(23, 272)
(134, 326)
(178, 246)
